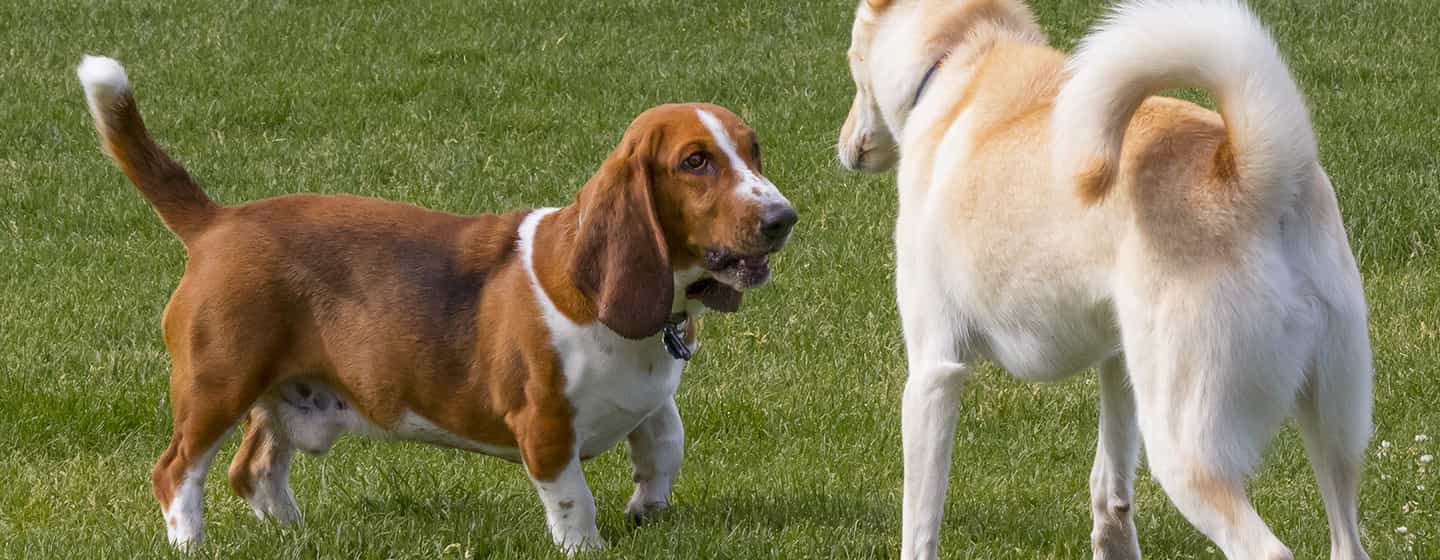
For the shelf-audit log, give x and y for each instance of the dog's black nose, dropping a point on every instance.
(775, 224)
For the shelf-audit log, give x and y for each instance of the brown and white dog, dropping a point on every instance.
(1053, 216)
(540, 336)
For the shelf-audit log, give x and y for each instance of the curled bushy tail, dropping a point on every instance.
(1146, 46)
(164, 183)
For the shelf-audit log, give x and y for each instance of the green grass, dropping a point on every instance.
(792, 405)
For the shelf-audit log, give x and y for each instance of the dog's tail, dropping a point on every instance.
(176, 197)
(1146, 46)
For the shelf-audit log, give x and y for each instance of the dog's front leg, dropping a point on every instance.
(656, 448)
(927, 425)
(569, 505)
(928, 413)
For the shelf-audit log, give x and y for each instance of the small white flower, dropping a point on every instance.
(1385, 444)
(1420, 438)
(1402, 529)
(1420, 487)
(1427, 458)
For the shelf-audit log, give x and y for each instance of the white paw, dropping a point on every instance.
(640, 511)
(284, 514)
(182, 536)
(577, 543)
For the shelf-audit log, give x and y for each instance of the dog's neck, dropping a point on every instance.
(917, 41)
(552, 258)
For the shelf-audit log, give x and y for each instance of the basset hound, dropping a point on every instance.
(540, 336)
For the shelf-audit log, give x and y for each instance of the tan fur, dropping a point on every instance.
(1211, 260)
(1170, 145)
(1222, 495)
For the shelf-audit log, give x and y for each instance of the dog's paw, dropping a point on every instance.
(186, 542)
(579, 544)
(640, 513)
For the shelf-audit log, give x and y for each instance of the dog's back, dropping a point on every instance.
(320, 284)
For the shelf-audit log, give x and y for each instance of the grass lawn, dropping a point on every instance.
(792, 406)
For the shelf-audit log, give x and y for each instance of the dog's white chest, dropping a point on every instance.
(612, 383)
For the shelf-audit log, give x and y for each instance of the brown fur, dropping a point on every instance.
(630, 281)
(401, 309)
(162, 181)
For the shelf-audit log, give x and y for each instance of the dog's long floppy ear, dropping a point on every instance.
(621, 260)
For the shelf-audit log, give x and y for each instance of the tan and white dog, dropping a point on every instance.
(1054, 216)
(540, 336)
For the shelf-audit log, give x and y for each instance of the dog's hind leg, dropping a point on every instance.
(1191, 458)
(178, 480)
(1213, 381)
(1334, 418)
(214, 381)
(1112, 479)
(260, 472)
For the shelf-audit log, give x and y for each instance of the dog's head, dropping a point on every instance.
(895, 47)
(866, 143)
(679, 205)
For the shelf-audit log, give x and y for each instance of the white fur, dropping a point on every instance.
(185, 515)
(1200, 364)
(414, 427)
(752, 185)
(1147, 46)
(104, 81)
(570, 510)
(271, 496)
(656, 449)
(884, 91)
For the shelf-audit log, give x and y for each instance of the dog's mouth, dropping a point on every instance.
(738, 271)
(730, 274)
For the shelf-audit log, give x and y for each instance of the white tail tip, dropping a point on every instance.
(102, 76)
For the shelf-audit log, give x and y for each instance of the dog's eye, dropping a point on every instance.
(697, 161)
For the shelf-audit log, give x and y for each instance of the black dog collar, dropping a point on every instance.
(926, 81)
(673, 335)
